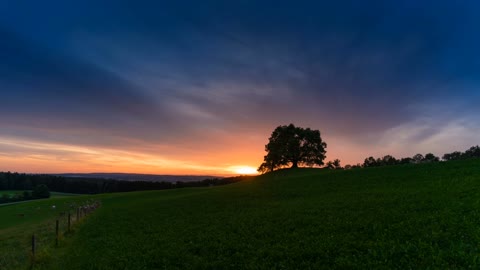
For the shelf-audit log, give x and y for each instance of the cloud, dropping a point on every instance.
(91, 159)
(44, 82)
(164, 80)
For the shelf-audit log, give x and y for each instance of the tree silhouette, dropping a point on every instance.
(418, 158)
(431, 158)
(334, 164)
(293, 146)
(370, 162)
(452, 156)
(407, 160)
(389, 160)
(473, 152)
(41, 191)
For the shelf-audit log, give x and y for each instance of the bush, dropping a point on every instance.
(41, 191)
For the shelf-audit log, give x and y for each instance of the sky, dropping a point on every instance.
(196, 87)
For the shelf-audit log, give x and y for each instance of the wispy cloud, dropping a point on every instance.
(201, 88)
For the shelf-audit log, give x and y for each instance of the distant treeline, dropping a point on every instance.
(472, 152)
(17, 181)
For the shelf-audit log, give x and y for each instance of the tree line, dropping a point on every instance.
(291, 146)
(18, 181)
(388, 160)
(472, 152)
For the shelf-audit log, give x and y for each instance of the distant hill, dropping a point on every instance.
(141, 177)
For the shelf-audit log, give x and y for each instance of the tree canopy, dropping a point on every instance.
(335, 164)
(41, 191)
(293, 146)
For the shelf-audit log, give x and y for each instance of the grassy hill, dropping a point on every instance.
(415, 216)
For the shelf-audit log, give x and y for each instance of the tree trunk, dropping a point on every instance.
(294, 164)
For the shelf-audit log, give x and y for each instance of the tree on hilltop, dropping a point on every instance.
(293, 146)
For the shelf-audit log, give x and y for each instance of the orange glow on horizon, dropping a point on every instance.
(227, 158)
(244, 170)
(41, 157)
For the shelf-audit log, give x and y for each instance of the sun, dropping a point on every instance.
(245, 170)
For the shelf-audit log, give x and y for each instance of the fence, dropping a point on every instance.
(69, 219)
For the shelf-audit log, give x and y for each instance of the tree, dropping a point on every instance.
(41, 191)
(431, 158)
(370, 162)
(389, 160)
(334, 165)
(473, 152)
(267, 166)
(358, 166)
(27, 195)
(406, 160)
(293, 146)
(418, 158)
(452, 156)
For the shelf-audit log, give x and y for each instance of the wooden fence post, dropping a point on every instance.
(56, 233)
(34, 243)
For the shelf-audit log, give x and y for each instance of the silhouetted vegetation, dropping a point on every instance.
(293, 146)
(431, 158)
(389, 160)
(452, 156)
(335, 165)
(40, 184)
(472, 152)
(39, 192)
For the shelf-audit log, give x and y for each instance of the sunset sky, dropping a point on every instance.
(196, 87)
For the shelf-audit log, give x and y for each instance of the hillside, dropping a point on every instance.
(413, 216)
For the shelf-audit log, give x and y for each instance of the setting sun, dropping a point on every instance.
(245, 170)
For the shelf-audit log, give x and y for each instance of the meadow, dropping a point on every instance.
(399, 217)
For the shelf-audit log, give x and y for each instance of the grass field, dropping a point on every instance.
(18, 221)
(11, 192)
(400, 217)
(52, 194)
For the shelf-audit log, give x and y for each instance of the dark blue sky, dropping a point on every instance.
(199, 85)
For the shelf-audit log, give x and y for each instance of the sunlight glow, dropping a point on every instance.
(43, 157)
(245, 170)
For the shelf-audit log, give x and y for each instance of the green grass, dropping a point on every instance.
(19, 221)
(54, 194)
(402, 217)
(11, 192)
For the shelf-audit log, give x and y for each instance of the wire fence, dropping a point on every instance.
(52, 235)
